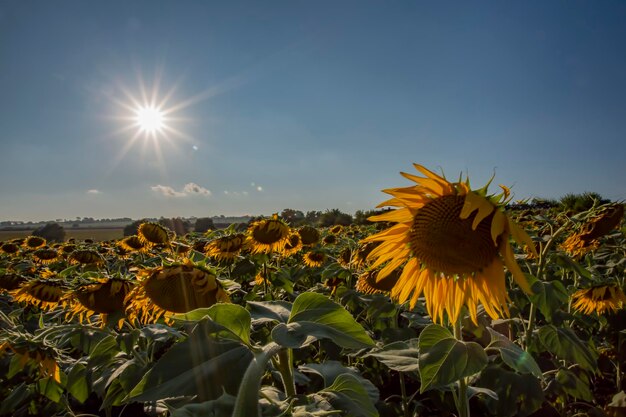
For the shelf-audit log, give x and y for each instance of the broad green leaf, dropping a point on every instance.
(574, 383)
(444, 359)
(264, 311)
(398, 356)
(77, 382)
(221, 407)
(549, 297)
(513, 355)
(472, 391)
(315, 316)
(199, 365)
(518, 394)
(50, 389)
(347, 394)
(567, 262)
(564, 343)
(103, 352)
(330, 370)
(232, 317)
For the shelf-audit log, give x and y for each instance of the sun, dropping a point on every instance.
(150, 119)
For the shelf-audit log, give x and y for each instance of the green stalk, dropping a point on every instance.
(462, 404)
(285, 367)
(247, 403)
(405, 402)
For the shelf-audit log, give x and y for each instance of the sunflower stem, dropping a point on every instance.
(405, 402)
(463, 402)
(285, 367)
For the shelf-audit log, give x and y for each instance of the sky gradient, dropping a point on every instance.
(304, 105)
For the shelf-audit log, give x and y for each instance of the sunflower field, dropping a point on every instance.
(451, 302)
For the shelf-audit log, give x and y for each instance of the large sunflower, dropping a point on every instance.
(587, 238)
(452, 242)
(104, 297)
(178, 288)
(268, 235)
(46, 294)
(225, 248)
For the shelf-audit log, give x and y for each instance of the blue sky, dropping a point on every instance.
(306, 105)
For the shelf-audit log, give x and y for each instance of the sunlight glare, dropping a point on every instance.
(150, 119)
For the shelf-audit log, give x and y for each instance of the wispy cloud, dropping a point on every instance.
(188, 190)
(193, 188)
(94, 191)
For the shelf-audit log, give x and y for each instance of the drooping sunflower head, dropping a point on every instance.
(359, 257)
(452, 241)
(268, 235)
(225, 248)
(336, 229)
(345, 257)
(293, 245)
(368, 283)
(314, 258)
(9, 248)
(309, 235)
(599, 299)
(104, 297)
(43, 293)
(46, 256)
(329, 239)
(177, 288)
(10, 281)
(152, 234)
(86, 257)
(34, 242)
(33, 354)
(132, 244)
(600, 223)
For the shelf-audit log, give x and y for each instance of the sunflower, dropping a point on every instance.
(345, 256)
(329, 239)
(132, 244)
(179, 248)
(225, 248)
(336, 229)
(46, 255)
(314, 258)
(177, 288)
(9, 248)
(359, 258)
(368, 283)
(67, 249)
(587, 238)
(153, 234)
(293, 245)
(268, 235)
(104, 297)
(309, 234)
(11, 281)
(43, 293)
(34, 242)
(86, 257)
(449, 238)
(600, 298)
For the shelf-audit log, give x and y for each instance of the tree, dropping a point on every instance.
(291, 216)
(131, 229)
(52, 232)
(204, 224)
(581, 202)
(333, 217)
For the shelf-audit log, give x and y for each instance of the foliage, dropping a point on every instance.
(52, 232)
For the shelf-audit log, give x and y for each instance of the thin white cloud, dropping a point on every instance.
(188, 190)
(193, 188)
(94, 191)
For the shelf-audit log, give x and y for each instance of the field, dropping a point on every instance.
(492, 312)
(96, 234)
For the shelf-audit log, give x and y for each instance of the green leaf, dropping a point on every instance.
(330, 370)
(221, 407)
(264, 311)
(200, 365)
(574, 383)
(232, 317)
(398, 356)
(314, 316)
(103, 351)
(549, 297)
(77, 382)
(513, 355)
(564, 343)
(518, 394)
(444, 360)
(347, 394)
(49, 388)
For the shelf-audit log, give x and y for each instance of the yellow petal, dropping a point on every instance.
(497, 225)
(475, 202)
(513, 267)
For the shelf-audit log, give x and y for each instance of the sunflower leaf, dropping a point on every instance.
(232, 318)
(513, 355)
(348, 394)
(564, 343)
(314, 316)
(399, 356)
(444, 359)
(549, 297)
